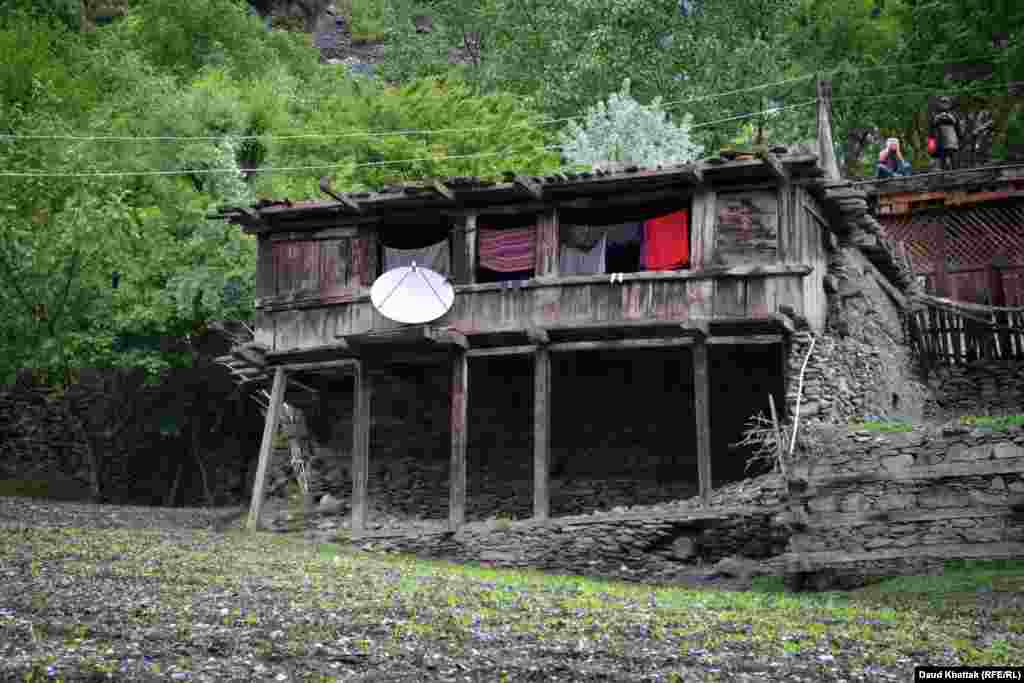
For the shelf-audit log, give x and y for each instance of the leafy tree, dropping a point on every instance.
(625, 130)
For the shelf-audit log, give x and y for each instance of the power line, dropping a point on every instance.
(348, 134)
(439, 131)
(322, 167)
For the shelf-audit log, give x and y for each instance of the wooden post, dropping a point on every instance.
(464, 251)
(266, 448)
(547, 244)
(998, 298)
(702, 418)
(457, 470)
(702, 231)
(826, 150)
(541, 431)
(360, 448)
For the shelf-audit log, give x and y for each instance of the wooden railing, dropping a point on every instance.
(949, 333)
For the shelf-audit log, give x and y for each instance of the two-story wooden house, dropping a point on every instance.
(724, 252)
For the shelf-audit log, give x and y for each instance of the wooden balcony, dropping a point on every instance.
(689, 300)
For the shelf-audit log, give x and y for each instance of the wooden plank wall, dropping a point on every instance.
(809, 249)
(747, 227)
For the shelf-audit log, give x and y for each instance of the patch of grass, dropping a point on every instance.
(365, 18)
(997, 423)
(958, 576)
(883, 426)
(231, 603)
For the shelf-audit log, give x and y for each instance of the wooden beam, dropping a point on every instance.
(746, 339)
(457, 470)
(541, 432)
(266, 449)
(303, 386)
(534, 189)
(776, 167)
(826, 149)
(340, 197)
(321, 365)
(501, 351)
(618, 344)
(360, 448)
(702, 419)
(444, 190)
(537, 335)
(704, 215)
(464, 251)
(447, 336)
(547, 244)
(700, 325)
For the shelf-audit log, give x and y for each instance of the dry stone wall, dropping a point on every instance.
(981, 388)
(876, 502)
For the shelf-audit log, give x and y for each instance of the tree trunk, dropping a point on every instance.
(173, 493)
(195, 446)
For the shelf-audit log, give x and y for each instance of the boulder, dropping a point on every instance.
(739, 567)
(329, 504)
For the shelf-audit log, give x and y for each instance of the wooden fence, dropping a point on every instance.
(945, 334)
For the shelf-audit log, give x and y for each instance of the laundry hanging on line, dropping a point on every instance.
(574, 261)
(436, 257)
(507, 250)
(667, 241)
(583, 237)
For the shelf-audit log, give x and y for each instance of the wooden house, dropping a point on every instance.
(756, 231)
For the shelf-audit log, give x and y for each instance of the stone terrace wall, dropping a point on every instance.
(878, 502)
(982, 388)
(871, 504)
(646, 542)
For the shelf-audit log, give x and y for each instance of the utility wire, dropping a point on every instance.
(350, 134)
(321, 167)
(439, 131)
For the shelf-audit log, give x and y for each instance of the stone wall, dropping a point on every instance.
(871, 504)
(981, 388)
(643, 543)
(909, 497)
(861, 366)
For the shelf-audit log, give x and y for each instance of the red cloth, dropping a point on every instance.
(667, 241)
(507, 250)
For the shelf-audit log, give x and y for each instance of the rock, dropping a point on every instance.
(1006, 449)
(738, 567)
(683, 548)
(998, 484)
(942, 497)
(898, 463)
(330, 504)
(424, 23)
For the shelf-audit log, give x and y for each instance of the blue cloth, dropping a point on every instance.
(902, 168)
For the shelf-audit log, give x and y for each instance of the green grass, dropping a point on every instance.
(995, 423)
(883, 426)
(366, 19)
(274, 598)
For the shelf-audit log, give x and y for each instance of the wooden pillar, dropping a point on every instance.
(826, 150)
(464, 251)
(457, 470)
(547, 244)
(360, 447)
(266, 448)
(702, 417)
(541, 431)
(702, 231)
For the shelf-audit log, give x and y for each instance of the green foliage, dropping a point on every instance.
(884, 426)
(993, 422)
(625, 130)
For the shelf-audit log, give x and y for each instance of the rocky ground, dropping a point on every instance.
(105, 593)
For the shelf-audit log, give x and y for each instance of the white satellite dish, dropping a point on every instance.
(412, 295)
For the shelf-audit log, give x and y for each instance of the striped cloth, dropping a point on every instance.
(507, 250)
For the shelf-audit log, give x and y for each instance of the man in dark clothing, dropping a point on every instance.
(947, 125)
